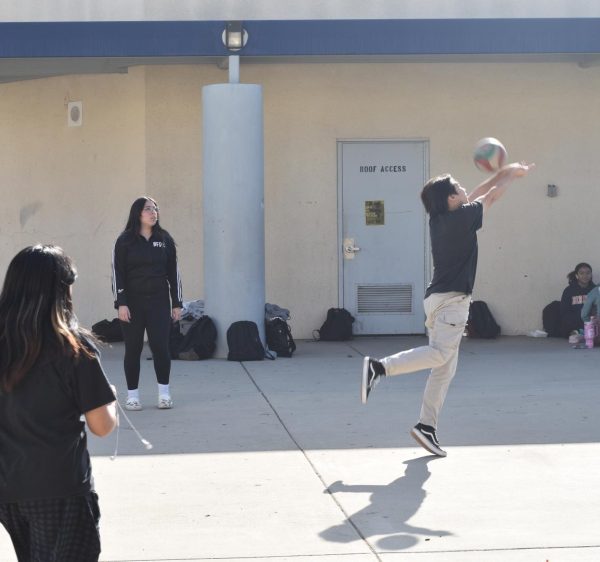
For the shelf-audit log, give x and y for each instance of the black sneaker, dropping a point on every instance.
(425, 436)
(372, 370)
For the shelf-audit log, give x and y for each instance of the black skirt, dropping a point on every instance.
(54, 530)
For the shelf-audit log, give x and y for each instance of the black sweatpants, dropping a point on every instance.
(571, 321)
(54, 530)
(153, 315)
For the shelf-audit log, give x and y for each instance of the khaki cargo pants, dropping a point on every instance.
(447, 315)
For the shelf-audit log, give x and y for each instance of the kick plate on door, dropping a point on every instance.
(349, 248)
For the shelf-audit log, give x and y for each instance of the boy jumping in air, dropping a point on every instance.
(454, 219)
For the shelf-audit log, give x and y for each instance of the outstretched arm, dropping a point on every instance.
(491, 190)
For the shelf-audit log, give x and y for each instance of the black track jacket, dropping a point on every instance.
(145, 268)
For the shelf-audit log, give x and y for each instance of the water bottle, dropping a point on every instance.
(589, 332)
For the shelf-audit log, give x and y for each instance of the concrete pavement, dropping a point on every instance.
(279, 461)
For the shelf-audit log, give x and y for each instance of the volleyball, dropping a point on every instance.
(489, 155)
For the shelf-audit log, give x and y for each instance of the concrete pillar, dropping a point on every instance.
(233, 182)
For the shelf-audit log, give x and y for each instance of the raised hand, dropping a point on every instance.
(518, 169)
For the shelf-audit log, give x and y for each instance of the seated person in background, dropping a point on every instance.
(591, 305)
(573, 298)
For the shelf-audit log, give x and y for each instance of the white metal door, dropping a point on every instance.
(383, 234)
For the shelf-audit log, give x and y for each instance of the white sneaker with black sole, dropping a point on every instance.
(425, 436)
(371, 372)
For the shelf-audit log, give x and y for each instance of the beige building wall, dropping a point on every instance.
(142, 133)
(72, 186)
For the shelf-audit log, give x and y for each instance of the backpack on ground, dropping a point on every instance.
(337, 325)
(551, 319)
(279, 337)
(108, 330)
(200, 341)
(244, 342)
(481, 323)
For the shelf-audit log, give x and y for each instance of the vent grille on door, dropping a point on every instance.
(384, 299)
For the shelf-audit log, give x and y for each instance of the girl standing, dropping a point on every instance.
(147, 293)
(49, 376)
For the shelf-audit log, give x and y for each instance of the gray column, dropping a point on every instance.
(233, 183)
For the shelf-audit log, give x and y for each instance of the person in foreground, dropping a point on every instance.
(454, 219)
(49, 376)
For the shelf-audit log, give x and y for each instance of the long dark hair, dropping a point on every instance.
(435, 194)
(572, 276)
(36, 309)
(133, 226)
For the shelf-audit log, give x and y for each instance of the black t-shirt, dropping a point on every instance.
(43, 443)
(454, 249)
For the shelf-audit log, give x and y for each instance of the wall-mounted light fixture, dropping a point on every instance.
(552, 190)
(74, 114)
(234, 36)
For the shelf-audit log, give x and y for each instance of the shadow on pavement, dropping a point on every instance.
(391, 506)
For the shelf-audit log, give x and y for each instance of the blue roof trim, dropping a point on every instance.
(110, 39)
(302, 38)
(419, 37)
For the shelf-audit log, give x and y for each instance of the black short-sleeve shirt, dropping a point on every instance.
(43, 443)
(454, 249)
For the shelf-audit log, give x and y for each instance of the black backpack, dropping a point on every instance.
(108, 330)
(551, 319)
(337, 325)
(481, 323)
(244, 342)
(279, 337)
(200, 341)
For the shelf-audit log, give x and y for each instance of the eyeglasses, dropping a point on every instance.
(151, 209)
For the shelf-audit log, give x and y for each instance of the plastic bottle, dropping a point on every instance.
(589, 332)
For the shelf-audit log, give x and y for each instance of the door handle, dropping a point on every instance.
(349, 248)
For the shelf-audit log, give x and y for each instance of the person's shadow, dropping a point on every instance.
(392, 505)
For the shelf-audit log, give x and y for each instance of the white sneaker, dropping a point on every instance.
(133, 404)
(165, 402)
